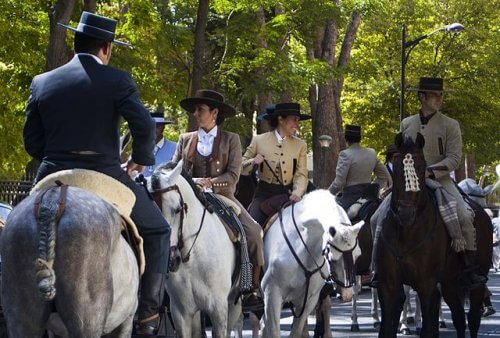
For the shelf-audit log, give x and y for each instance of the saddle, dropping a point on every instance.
(110, 190)
(228, 212)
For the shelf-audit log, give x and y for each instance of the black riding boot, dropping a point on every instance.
(470, 277)
(150, 300)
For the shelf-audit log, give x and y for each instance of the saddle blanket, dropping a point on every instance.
(447, 208)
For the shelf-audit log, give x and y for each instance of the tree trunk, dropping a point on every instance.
(199, 47)
(264, 97)
(470, 165)
(58, 52)
(325, 98)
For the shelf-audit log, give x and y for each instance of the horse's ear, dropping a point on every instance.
(399, 140)
(420, 141)
(332, 231)
(177, 171)
(356, 227)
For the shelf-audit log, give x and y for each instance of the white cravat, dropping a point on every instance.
(206, 141)
(278, 136)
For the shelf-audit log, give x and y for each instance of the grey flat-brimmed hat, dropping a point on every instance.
(97, 26)
(210, 98)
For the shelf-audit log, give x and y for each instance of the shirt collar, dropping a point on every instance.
(212, 133)
(161, 143)
(426, 119)
(95, 57)
(278, 136)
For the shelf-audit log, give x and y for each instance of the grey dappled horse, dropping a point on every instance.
(86, 271)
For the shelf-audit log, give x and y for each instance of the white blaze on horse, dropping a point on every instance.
(206, 257)
(62, 250)
(295, 269)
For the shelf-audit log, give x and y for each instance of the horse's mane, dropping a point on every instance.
(156, 181)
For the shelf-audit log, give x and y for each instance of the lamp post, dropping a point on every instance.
(324, 142)
(452, 28)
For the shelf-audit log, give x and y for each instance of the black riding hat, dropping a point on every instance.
(352, 130)
(210, 98)
(429, 84)
(97, 26)
(287, 109)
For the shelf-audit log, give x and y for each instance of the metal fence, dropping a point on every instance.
(14, 191)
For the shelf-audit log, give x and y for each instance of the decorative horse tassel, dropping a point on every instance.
(411, 178)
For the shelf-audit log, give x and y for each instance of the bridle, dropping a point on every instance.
(348, 257)
(183, 209)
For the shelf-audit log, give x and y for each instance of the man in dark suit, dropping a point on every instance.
(73, 121)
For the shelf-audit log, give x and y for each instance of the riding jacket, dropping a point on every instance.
(287, 160)
(354, 168)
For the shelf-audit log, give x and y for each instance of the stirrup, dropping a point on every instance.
(147, 327)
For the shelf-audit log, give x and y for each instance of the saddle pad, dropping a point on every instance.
(104, 186)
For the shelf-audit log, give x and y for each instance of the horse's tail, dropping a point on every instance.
(48, 214)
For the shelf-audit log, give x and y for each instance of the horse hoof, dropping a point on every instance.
(418, 330)
(354, 327)
(376, 326)
(442, 324)
(411, 320)
(405, 332)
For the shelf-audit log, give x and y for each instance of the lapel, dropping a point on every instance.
(191, 143)
(216, 146)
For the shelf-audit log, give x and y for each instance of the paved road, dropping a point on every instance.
(340, 318)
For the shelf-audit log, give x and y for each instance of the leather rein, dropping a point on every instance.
(183, 209)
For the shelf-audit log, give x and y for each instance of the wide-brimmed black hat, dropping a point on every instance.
(352, 130)
(210, 98)
(269, 110)
(159, 116)
(429, 84)
(97, 26)
(287, 109)
(390, 149)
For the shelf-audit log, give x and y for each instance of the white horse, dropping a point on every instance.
(295, 267)
(207, 258)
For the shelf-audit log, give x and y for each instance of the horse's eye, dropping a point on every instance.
(177, 210)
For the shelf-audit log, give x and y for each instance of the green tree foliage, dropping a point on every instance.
(162, 33)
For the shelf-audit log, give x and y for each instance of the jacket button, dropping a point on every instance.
(284, 173)
(283, 161)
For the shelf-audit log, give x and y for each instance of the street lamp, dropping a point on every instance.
(452, 28)
(325, 141)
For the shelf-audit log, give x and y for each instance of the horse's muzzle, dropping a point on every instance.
(174, 260)
(406, 215)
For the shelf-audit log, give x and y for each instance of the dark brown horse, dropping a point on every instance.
(414, 248)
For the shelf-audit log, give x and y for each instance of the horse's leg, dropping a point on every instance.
(429, 300)
(183, 322)
(322, 327)
(403, 322)
(452, 297)
(124, 330)
(299, 324)
(476, 297)
(272, 311)
(391, 303)
(354, 315)
(374, 309)
(219, 317)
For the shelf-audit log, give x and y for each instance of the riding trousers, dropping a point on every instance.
(464, 211)
(152, 226)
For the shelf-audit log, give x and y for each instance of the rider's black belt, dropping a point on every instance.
(272, 189)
